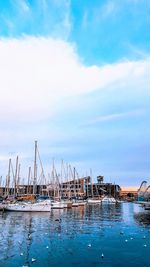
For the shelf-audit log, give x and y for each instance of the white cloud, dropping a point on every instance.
(35, 73)
(116, 116)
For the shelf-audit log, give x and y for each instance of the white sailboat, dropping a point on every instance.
(58, 205)
(108, 200)
(94, 201)
(43, 206)
(81, 203)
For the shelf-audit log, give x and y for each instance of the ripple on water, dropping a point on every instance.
(77, 237)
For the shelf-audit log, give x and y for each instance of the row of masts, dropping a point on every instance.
(54, 179)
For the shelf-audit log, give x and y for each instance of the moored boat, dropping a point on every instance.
(2, 206)
(75, 204)
(94, 201)
(43, 206)
(67, 204)
(82, 203)
(108, 200)
(58, 205)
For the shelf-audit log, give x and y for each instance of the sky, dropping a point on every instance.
(75, 76)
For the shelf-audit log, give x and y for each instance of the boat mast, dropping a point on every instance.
(87, 187)
(53, 179)
(68, 182)
(91, 182)
(15, 177)
(18, 178)
(74, 180)
(35, 170)
(29, 175)
(8, 177)
(61, 179)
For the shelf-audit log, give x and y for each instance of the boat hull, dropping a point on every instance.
(94, 201)
(82, 203)
(75, 204)
(28, 207)
(108, 200)
(58, 205)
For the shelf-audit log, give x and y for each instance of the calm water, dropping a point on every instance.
(79, 238)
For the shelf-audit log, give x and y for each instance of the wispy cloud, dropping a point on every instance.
(36, 18)
(109, 8)
(116, 116)
(23, 6)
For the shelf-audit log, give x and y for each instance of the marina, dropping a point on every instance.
(65, 219)
(62, 189)
(74, 133)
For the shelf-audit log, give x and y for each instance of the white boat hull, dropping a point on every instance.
(67, 204)
(28, 207)
(94, 201)
(108, 200)
(58, 205)
(82, 203)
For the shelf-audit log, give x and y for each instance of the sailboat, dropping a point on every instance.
(56, 203)
(93, 200)
(108, 200)
(42, 206)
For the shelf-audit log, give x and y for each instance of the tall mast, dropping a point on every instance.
(74, 180)
(35, 170)
(53, 178)
(29, 175)
(61, 179)
(15, 177)
(18, 177)
(87, 187)
(8, 178)
(91, 182)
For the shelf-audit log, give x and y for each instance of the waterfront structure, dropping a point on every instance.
(100, 188)
(65, 184)
(74, 188)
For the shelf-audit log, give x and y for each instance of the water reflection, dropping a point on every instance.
(78, 235)
(143, 218)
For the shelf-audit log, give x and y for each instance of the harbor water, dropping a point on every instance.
(95, 235)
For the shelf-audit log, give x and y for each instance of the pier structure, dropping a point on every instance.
(74, 188)
(100, 188)
(62, 183)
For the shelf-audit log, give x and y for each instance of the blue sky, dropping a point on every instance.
(75, 76)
